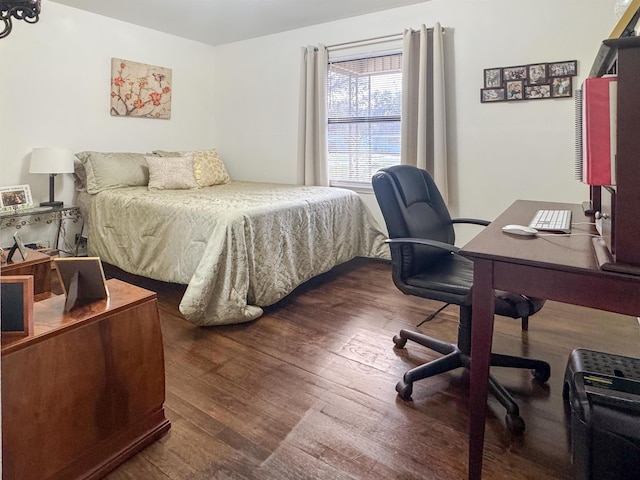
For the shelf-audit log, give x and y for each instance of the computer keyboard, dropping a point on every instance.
(552, 221)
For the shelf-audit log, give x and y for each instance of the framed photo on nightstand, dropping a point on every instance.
(14, 198)
(19, 247)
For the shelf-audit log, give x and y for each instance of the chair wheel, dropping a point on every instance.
(515, 423)
(399, 341)
(404, 390)
(542, 374)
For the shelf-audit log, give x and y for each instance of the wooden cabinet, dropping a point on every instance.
(86, 391)
(626, 219)
(36, 264)
(622, 235)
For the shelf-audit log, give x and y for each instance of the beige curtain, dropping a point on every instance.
(423, 125)
(312, 117)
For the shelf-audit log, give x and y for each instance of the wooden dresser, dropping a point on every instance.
(86, 391)
(36, 264)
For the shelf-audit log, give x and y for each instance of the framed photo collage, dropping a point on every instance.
(529, 82)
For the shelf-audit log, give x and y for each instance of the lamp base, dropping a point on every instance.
(51, 204)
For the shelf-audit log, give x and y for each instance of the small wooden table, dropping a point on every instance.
(36, 264)
(86, 391)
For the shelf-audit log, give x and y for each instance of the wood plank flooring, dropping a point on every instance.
(307, 390)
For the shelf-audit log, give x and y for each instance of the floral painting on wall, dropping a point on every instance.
(140, 90)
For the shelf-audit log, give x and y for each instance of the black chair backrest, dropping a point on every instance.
(413, 207)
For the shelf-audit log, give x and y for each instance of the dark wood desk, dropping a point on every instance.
(561, 268)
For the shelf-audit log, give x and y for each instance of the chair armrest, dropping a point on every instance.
(423, 241)
(474, 221)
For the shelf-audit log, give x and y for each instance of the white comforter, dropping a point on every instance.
(238, 247)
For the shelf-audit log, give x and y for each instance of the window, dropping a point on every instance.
(363, 108)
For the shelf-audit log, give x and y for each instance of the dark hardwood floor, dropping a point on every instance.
(307, 390)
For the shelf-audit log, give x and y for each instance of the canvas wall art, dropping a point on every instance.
(140, 90)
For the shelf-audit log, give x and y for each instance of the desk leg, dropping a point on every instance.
(481, 338)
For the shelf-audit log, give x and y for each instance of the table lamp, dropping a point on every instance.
(51, 161)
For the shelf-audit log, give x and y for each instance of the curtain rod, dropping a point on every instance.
(380, 39)
(366, 40)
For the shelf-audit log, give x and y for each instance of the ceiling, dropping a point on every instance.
(223, 21)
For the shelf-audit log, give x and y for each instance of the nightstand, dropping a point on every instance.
(60, 216)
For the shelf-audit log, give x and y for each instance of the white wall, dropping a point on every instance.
(242, 98)
(498, 152)
(54, 91)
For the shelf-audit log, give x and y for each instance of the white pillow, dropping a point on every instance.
(171, 173)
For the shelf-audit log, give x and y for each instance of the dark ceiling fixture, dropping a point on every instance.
(27, 10)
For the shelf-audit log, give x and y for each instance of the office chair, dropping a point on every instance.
(425, 263)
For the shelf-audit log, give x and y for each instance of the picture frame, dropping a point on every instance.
(514, 73)
(493, 77)
(568, 68)
(16, 308)
(15, 197)
(19, 247)
(514, 90)
(536, 92)
(561, 87)
(534, 81)
(82, 280)
(537, 74)
(492, 95)
(140, 90)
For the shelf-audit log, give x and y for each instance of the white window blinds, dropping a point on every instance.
(363, 108)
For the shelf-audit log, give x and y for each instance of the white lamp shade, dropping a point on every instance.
(51, 160)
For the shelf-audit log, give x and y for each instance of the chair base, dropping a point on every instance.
(455, 358)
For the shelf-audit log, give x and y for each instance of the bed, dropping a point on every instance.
(238, 246)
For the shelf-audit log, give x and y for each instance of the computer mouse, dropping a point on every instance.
(519, 230)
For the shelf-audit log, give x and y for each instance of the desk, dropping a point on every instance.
(560, 268)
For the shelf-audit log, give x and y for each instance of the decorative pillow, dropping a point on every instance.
(208, 168)
(171, 173)
(108, 170)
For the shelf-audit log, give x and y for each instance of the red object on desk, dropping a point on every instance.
(599, 97)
